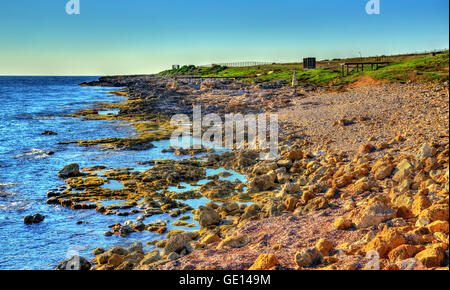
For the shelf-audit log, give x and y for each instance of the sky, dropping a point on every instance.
(147, 36)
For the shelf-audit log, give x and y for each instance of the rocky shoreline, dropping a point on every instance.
(360, 170)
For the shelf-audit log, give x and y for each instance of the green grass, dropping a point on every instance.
(402, 68)
(422, 69)
(193, 70)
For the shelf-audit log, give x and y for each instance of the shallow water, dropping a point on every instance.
(29, 162)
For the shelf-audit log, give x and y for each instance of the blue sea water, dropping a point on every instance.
(28, 107)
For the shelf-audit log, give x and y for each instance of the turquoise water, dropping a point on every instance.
(29, 162)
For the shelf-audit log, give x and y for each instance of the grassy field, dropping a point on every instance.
(402, 68)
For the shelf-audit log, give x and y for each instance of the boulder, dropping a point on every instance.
(342, 181)
(74, 263)
(410, 264)
(262, 183)
(420, 204)
(177, 243)
(384, 171)
(289, 188)
(251, 211)
(438, 226)
(49, 133)
(404, 252)
(272, 208)
(71, 170)
(307, 196)
(98, 251)
(33, 219)
(264, 167)
(324, 247)
(264, 262)
(366, 148)
(173, 256)
(402, 170)
(290, 203)
(136, 247)
(385, 242)
(134, 257)
(315, 204)
(151, 257)
(209, 238)
(424, 152)
(373, 214)
(436, 212)
(342, 223)
(308, 257)
(294, 155)
(234, 242)
(208, 217)
(115, 260)
(125, 230)
(432, 257)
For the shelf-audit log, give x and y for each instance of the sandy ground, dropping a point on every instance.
(291, 232)
(377, 114)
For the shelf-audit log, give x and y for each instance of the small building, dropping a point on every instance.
(309, 63)
(176, 66)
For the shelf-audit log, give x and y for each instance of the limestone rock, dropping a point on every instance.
(385, 241)
(290, 203)
(294, 155)
(342, 223)
(209, 238)
(324, 247)
(262, 183)
(402, 170)
(436, 212)
(438, 226)
(404, 252)
(115, 260)
(424, 152)
(33, 219)
(342, 181)
(151, 257)
(264, 262)
(208, 217)
(234, 242)
(264, 167)
(410, 264)
(384, 172)
(373, 214)
(315, 204)
(308, 257)
(74, 263)
(420, 204)
(177, 243)
(71, 170)
(432, 257)
(366, 148)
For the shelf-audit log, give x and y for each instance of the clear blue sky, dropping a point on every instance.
(147, 36)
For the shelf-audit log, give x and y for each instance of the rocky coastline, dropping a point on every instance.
(362, 171)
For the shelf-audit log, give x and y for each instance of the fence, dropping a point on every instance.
(240, 64)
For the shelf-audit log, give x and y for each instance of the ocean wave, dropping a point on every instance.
(14, 206)
(6, 194)
(7, 184)
(35, 117)
(35, 154)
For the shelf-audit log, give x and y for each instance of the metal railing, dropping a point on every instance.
(240, 63)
